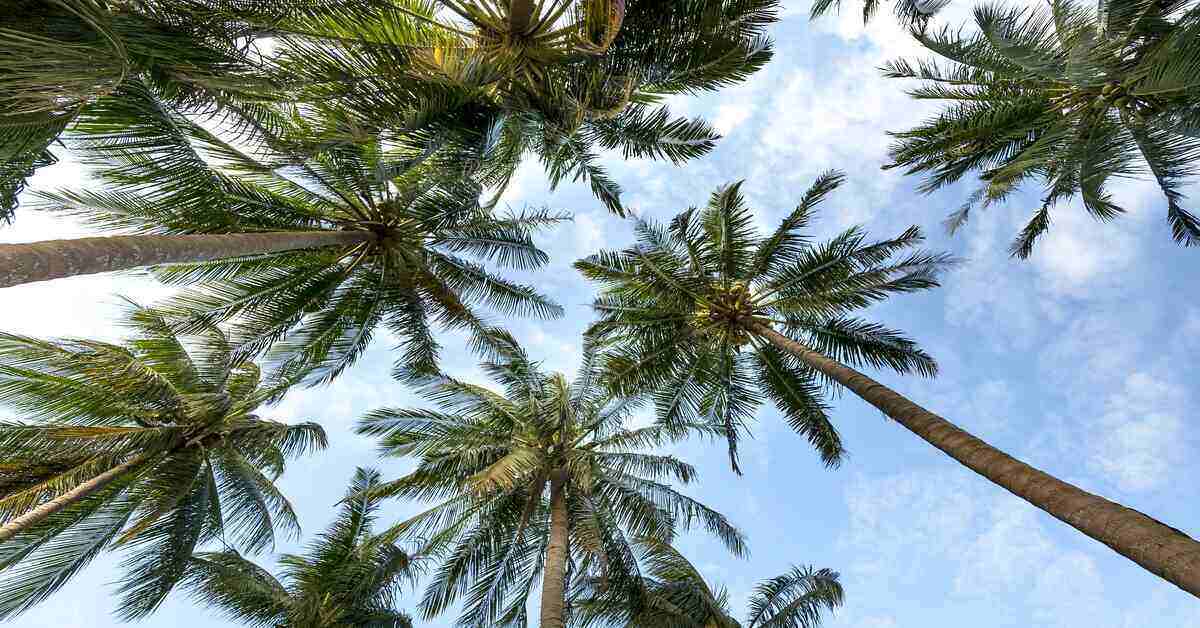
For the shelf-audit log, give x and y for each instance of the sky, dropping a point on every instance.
(1081, 361)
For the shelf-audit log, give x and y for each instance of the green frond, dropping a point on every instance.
(795, 599)
(39, 561)
(796, 392)
(785, 244)
(240, 590)
(349, 575)
(1065, 96)
(194, 462)
(678, 308)
(485, 458)
(914, 14)
(671, 591)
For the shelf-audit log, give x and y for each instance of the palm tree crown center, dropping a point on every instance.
(401, 235)
(726, 311)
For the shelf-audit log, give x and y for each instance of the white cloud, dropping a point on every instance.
(729, 116)
(988, 545)
(1190, 329)
(878, 622)
(1080, 253)
(85, 306)
(1140, 438)
(589, 234)
(990, 291)
(817, 120)
(1097, 346)
(981, 407)
(937, 513)
(1007, 555)
(1078, 261)
(1068, 592)
(527, 175)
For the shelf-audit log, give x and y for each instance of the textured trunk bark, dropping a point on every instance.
(554, 579)
(520, 16)
(82, 491)
(1161, 549)
(51, 259)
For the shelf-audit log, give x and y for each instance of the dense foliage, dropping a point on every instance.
(348, 577)
(672, 593)
(423, 261)
(179, 416)
(680, 308)
(492, 461)
(1067, 96)
(313, 173)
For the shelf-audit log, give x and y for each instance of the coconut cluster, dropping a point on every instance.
(1113, 95)
(725, 313)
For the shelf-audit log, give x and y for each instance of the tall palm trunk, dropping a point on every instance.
(554, 578)
(520, 16)
(1161, 549)
(51, 259)
(80, 492)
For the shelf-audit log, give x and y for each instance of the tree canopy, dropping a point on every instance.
(182, 413)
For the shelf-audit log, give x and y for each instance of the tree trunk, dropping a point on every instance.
(554, 578)
(80, 492)
(51, 259)
(520, 16)
(1161, 549)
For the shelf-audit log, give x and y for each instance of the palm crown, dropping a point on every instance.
(488, 457)
(58, 57)
(561, 80)
(685, 306)
(425, 236)
(1067, 96)
(349, 576)
(178, 416)
(672, 593)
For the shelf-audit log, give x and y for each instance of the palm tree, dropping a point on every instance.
(713, 318)
(561, 80)
(154, 447)
(348, 578)
(405, 240)
(58, 56)
(1069, 97)
(673, 594)
(490, 458)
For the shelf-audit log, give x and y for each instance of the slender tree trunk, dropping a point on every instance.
(51, 259)
(520, 15)
(554, 578)
(1161, 549)
(80, 492)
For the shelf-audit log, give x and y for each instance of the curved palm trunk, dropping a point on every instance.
(1161, 549)
(554, 578)
(51, 259)
(80, 492)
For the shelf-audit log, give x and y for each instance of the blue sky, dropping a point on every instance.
(1081, 361)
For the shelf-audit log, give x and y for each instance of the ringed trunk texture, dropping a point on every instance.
(555, 576)
(1161, 549)
(51, 259)
(82, 491)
